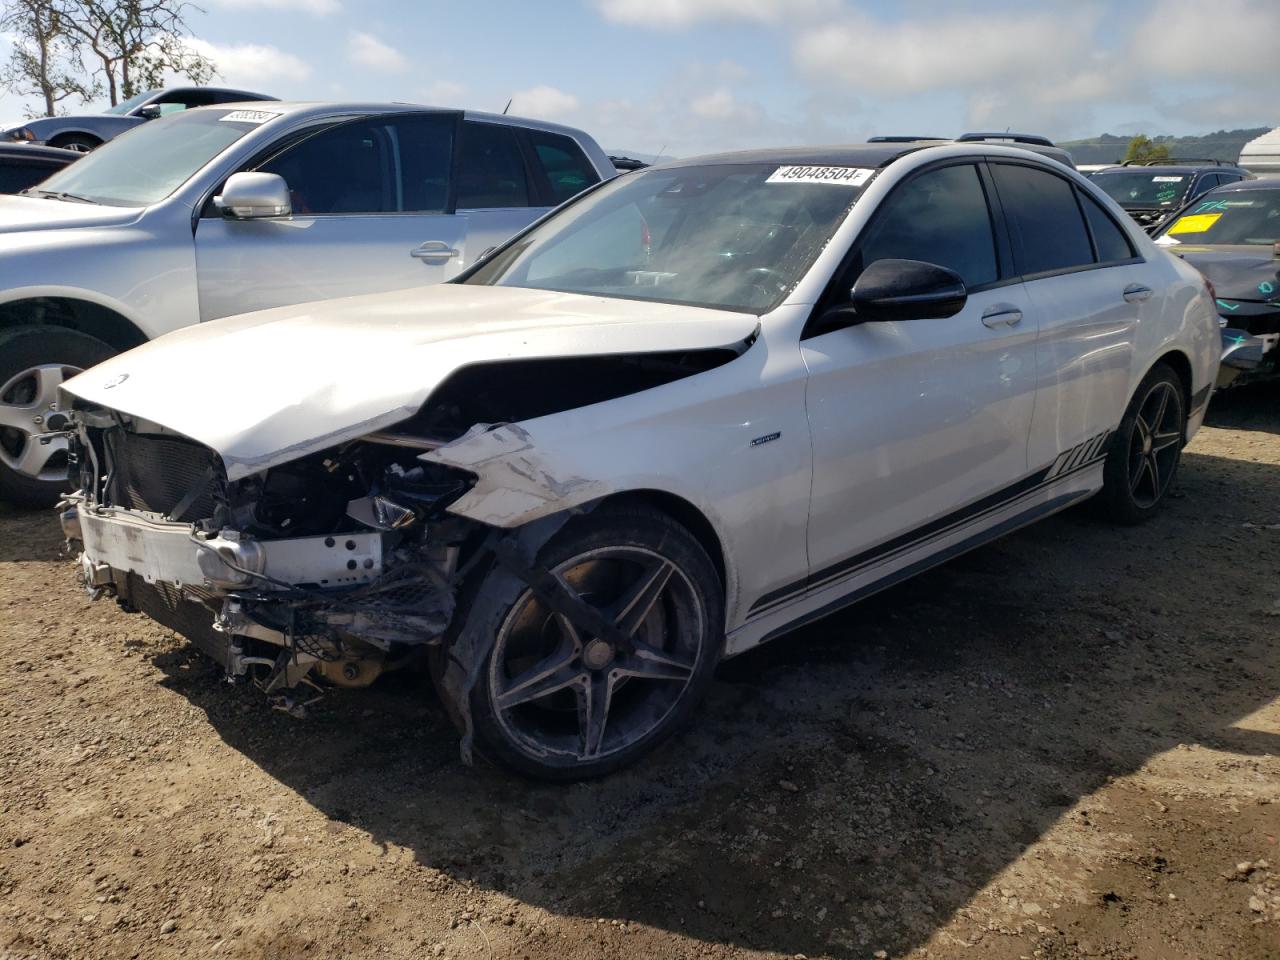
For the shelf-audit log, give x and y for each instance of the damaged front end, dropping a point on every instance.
(336, 566)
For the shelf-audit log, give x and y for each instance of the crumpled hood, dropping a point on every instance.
(43, 213)
(1246, 273)
(269, 387)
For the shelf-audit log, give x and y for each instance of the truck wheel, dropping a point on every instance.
(34, 361)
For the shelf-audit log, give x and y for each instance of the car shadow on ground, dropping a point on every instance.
(1253, 407)
(853, 785)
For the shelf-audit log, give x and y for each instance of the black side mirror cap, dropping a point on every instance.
(899, 290)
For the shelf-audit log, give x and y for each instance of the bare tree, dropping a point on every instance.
(45, 61)
(136, 42)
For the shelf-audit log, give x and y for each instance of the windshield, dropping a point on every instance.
(120, 109)
(148, 163)
(1239, 217)
(733, 237)
(1133, 188)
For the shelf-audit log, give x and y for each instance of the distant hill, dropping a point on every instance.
(1222, 145)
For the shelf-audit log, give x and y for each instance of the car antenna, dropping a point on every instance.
(507, 107)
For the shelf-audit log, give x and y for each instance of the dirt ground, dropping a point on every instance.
(1063, 745)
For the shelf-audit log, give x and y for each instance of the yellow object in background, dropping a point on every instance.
(1198, 223)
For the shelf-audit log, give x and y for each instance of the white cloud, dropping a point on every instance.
(910, 57)
(544, 102)
(681, 13)
(1230, 40)
(251, 65)
(366, 50)
(443, 92)
(317, 7)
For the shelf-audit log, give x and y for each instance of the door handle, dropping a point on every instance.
(434, 251)
(1137, 293)
(1001, 315)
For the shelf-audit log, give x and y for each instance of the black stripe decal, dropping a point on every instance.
(942, 556)
(1001, 498)
(1201, 397)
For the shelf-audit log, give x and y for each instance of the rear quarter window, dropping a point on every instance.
(566, 167)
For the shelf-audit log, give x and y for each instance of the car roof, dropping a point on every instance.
(1176, 168)
(321, 108)
(21, 151)
(866, 155)
(1263, 183)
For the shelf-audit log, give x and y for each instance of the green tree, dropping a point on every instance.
(1143, 148)
(45, 60)
(134, 43)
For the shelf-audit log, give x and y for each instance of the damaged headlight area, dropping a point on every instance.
(338, 565)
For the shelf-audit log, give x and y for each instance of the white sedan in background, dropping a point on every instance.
(696, 407)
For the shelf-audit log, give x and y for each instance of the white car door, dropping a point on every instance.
(919, 426)
(1087, 284)
(372, 211)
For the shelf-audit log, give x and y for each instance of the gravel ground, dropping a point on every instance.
(1066, 744)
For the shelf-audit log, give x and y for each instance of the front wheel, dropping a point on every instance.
(34, 361)
(557, 701)
(1144, 452)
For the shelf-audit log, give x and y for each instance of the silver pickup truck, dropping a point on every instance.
(223, 210)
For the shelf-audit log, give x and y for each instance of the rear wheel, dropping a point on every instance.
(1144, 452)
(34, 362)
(79, 142)
(557, 701)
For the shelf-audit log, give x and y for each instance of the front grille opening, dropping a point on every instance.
(157, 473)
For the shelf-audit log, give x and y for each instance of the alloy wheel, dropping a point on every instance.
(1155, 444)
(561, 693)
(28, 411)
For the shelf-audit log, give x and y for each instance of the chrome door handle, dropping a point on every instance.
(1137, 293)
(1001, 315)
(434, 251)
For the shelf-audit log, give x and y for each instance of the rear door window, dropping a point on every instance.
(939, 216)
(562, 162)
(1045, 222)
(491, 169)
(1111, 243)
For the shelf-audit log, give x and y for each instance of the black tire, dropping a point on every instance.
(647, 694)
(23, 352)
(79, 142)
(1144, 452)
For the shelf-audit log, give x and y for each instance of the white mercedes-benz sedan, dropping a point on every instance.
(691, 409)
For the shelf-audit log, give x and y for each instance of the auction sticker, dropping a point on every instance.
(1167, 179)
(1196, 223)
(249, 116)
(846, 176)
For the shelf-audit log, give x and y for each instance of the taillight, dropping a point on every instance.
(1208, 285)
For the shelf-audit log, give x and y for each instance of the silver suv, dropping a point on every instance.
(223, 210)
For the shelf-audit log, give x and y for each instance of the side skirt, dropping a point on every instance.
(826, 599)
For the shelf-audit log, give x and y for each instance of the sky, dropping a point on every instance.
(693, 76)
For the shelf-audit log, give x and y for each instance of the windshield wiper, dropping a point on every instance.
(60, 195)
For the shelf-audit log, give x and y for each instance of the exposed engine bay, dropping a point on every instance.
(331, 568)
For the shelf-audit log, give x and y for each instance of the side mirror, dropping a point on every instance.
(899, 290)
(150, 112)
(253, 196)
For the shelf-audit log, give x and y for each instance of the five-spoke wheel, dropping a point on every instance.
(1143, 455)
(581, 683)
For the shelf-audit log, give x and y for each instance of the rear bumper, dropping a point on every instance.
(1243, 353)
